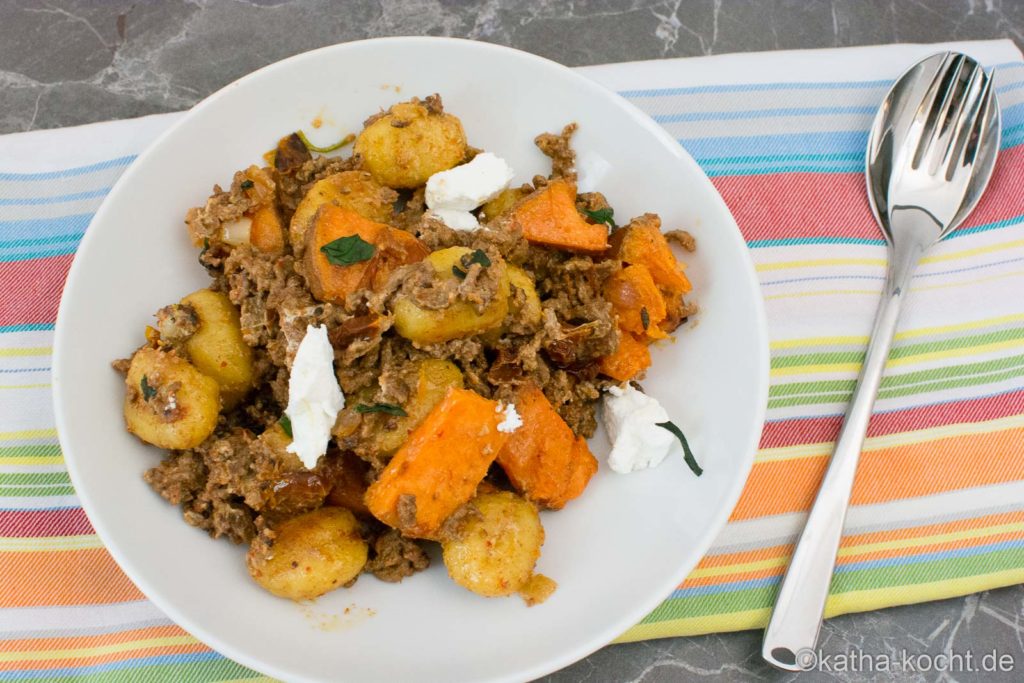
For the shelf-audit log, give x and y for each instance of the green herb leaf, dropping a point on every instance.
(480, 257)
(246, 184)
(345, 251)
(286, 424)
(206, 247)
(389, 408)
(477, 256)
(645, 317)
(687, 453)
(148, 391)
(602, 216)
(324, 150)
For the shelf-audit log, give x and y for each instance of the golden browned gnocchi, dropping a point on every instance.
(355, 190)
(169, 403)
(461, 318)
(435, 376)
(217, 348)
(409, 143)
(309, 555)
(495, 553)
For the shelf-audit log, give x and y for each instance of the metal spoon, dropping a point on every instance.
(931, 152)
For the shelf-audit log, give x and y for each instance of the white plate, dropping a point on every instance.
(616, 552)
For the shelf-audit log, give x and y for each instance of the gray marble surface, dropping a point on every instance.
(66, 62)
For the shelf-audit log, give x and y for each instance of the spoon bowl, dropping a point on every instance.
(932, 147)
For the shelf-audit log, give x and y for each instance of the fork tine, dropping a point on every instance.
(926, 110)
(936, 131)
(970, 128)
(947, 144)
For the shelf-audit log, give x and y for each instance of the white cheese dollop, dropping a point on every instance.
(512, 420)
(314, 397)
(631, 419)
(452, 194)
(456, 219)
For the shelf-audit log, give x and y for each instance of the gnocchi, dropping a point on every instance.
(309, 555)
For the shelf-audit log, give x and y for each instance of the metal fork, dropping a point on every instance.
(931, 152)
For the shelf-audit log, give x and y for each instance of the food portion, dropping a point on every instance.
(401, 348)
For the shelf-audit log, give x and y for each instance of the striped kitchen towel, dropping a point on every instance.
(939, 500)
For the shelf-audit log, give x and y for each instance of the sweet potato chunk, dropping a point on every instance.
(267, 231)
(630, 358)
(543, 459)
(440, 466)
(354, 190)
(638, 304)
(549, 217)
(641, 243)
(331, 282)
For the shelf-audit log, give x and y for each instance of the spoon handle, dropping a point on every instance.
(792, 631)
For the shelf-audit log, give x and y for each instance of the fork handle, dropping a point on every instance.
(792, 631)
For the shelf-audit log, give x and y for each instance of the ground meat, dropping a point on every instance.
(292, 185)
(179, 478)
(394, 557)
(263, 286)
(559, 149)
(591, 201)
(406, 510)
(227, 480)
(683, 239)
(176, 324)
(434, 233)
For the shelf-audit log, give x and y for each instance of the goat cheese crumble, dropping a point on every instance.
(631, 419)
(452, 194)
(512, 420)
(314, 397)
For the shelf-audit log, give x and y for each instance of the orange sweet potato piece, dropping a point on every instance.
(642, 243)
(543, 459)
(637, 302)
(330, 282)
(549, 217)
(440, 466)
(630, 358)
(267, 232)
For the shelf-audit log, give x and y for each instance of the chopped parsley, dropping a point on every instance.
(148, 391)
(286, 424)
(324, 150)
(477, 256)
(345, 251)
(246, 184)
(389, 408)
(206, 247)
(687, 453)
(645, 317)
(604, 215)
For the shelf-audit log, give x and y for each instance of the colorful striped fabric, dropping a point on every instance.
(939, 500)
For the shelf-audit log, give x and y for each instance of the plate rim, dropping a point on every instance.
(602, 636)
